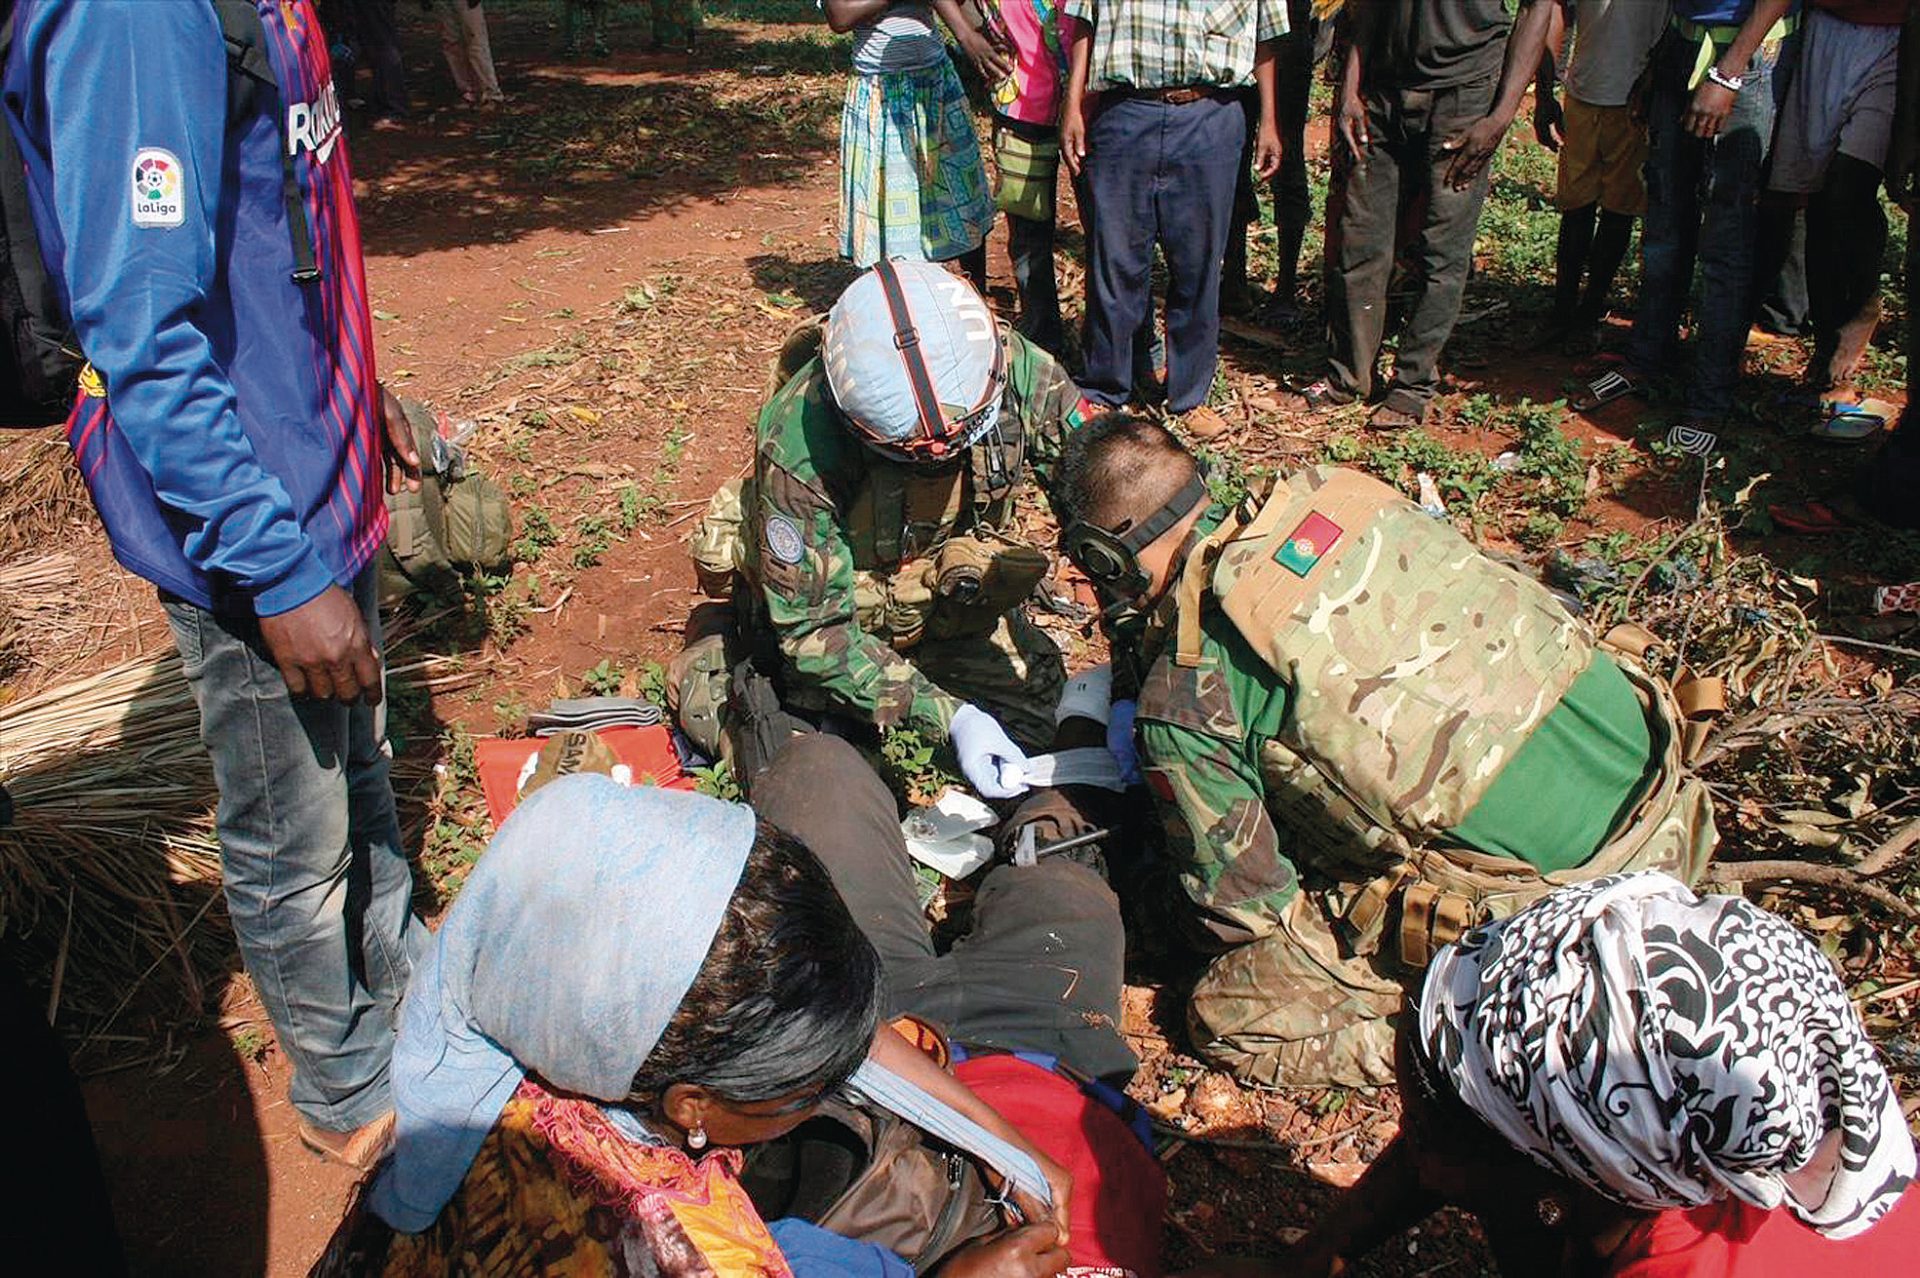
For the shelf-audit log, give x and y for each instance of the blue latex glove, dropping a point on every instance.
(989, 759)
(1120, 740)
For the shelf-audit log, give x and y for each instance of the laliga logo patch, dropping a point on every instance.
(159, 191)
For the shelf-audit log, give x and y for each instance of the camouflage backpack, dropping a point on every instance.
(459, 520)
(1419, 666)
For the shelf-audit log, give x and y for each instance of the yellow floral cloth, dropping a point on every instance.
(555, 1190)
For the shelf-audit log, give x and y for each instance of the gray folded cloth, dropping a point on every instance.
(584, 714)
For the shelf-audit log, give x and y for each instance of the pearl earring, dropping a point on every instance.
(697, 1138)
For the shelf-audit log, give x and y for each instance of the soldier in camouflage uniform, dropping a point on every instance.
(1363, 736)
(876, 541)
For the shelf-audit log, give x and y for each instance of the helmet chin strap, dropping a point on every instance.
(906, 340)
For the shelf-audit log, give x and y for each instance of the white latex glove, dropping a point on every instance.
(989, 759)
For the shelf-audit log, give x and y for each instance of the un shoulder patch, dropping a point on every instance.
(783, 541)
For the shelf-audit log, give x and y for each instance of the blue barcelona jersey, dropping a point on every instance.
(228, 427)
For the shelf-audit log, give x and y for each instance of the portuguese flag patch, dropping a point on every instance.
(1307, 544)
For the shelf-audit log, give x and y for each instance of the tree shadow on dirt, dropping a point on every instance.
(582, 146)
(816, 281)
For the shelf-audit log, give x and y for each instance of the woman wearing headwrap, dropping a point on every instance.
(1631, 1081)
(633, 983)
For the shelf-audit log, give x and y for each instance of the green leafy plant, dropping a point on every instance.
(635, 507)
(603, 680)
(911, 763)
(537, 533)
(718, 780)
(596, 536)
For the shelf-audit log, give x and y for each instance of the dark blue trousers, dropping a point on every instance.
(1162, 174)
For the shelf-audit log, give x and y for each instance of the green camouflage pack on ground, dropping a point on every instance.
(458, 521)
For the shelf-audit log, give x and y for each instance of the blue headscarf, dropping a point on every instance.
(567, 953)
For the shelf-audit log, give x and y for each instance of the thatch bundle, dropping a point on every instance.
(41, 494)
(39, 607)
(110, 871)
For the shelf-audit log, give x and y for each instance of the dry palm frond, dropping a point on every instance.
(111, 849)
(39, 607)
(41, 493)
(110, 872)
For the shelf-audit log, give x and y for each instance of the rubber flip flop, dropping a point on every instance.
(1696, 440)
(1809, 518)
(1318, 397)
(1847, 424)
(1606, 388)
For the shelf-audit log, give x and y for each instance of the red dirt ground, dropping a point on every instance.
(470, 270)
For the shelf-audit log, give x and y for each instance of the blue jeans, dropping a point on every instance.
(1158, 173)
(316, 880)
(1702, 210)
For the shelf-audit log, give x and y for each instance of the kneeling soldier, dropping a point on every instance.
(874, 547)
(1363, 736)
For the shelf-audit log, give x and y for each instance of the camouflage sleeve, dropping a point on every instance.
(1211, 801)
(806, 585)
(1051, 404)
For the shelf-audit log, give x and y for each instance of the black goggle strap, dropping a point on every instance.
(1120, 551)
(1178, 507)
(906, 340)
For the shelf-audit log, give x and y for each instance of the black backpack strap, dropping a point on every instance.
(39, 351)
(251, 71)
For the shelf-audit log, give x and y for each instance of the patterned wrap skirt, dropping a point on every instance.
(912, 183)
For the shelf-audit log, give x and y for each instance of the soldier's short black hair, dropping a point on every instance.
(1119, 469)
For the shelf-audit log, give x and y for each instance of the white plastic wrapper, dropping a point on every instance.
(946, 836)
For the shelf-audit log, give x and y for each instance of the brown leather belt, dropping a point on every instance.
(1180, 95)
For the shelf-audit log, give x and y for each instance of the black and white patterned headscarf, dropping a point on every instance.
(1667, 1050)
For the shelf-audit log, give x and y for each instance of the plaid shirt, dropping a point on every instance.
(1168, 44)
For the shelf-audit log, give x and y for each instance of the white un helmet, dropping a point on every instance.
(915, 361)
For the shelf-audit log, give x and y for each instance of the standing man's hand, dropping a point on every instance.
(1075, 123)
(403, 454)
(1472, 150)
(1707, 113)
(1350, 126)
(1549, 121)
(1079, 102)
(323, 650)
(1266, 150)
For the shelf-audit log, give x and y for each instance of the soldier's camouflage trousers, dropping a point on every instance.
(1299, 1008)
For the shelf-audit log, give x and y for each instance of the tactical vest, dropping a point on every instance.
(1419, 667)
(933, 554)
